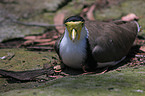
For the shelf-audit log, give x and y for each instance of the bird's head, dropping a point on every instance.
(74, 25)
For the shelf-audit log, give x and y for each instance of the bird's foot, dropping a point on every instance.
(94, 71)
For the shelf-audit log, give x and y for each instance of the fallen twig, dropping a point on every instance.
(26, 75)
(39, 48)
(36, 24)
(47, 43)
(58, 20)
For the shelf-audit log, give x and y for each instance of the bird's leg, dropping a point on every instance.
(89, 66)
(102, 70)
(88, 70)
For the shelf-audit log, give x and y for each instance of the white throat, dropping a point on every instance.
(73, 53)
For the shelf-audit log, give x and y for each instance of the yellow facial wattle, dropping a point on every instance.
(74, 29)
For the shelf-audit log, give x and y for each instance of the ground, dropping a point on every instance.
(26, 44)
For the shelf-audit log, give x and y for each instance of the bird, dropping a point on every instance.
(91, 45)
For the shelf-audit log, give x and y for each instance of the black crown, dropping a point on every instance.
(74, 18)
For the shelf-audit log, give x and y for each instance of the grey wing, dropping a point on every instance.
(112, 41)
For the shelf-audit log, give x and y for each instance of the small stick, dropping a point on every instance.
(36, 24)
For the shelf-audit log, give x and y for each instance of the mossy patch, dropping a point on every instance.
(128, 82)
(24, 59)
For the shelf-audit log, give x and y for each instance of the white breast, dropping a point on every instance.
(73, 53)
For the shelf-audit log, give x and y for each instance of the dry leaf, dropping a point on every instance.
(40, 48)
(48, 43)
(57, 67)
(29, 42)
(139, 42)
(84, 11)
(58, 20)
(90, 14)
(142, 48)
(42, 40)
(129, 17)
(30, 37)
(55, 37)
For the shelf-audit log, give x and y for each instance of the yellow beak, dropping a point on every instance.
(74, 29)
(73, 34)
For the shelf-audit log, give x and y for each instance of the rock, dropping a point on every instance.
(25, 11)
(9, 30)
